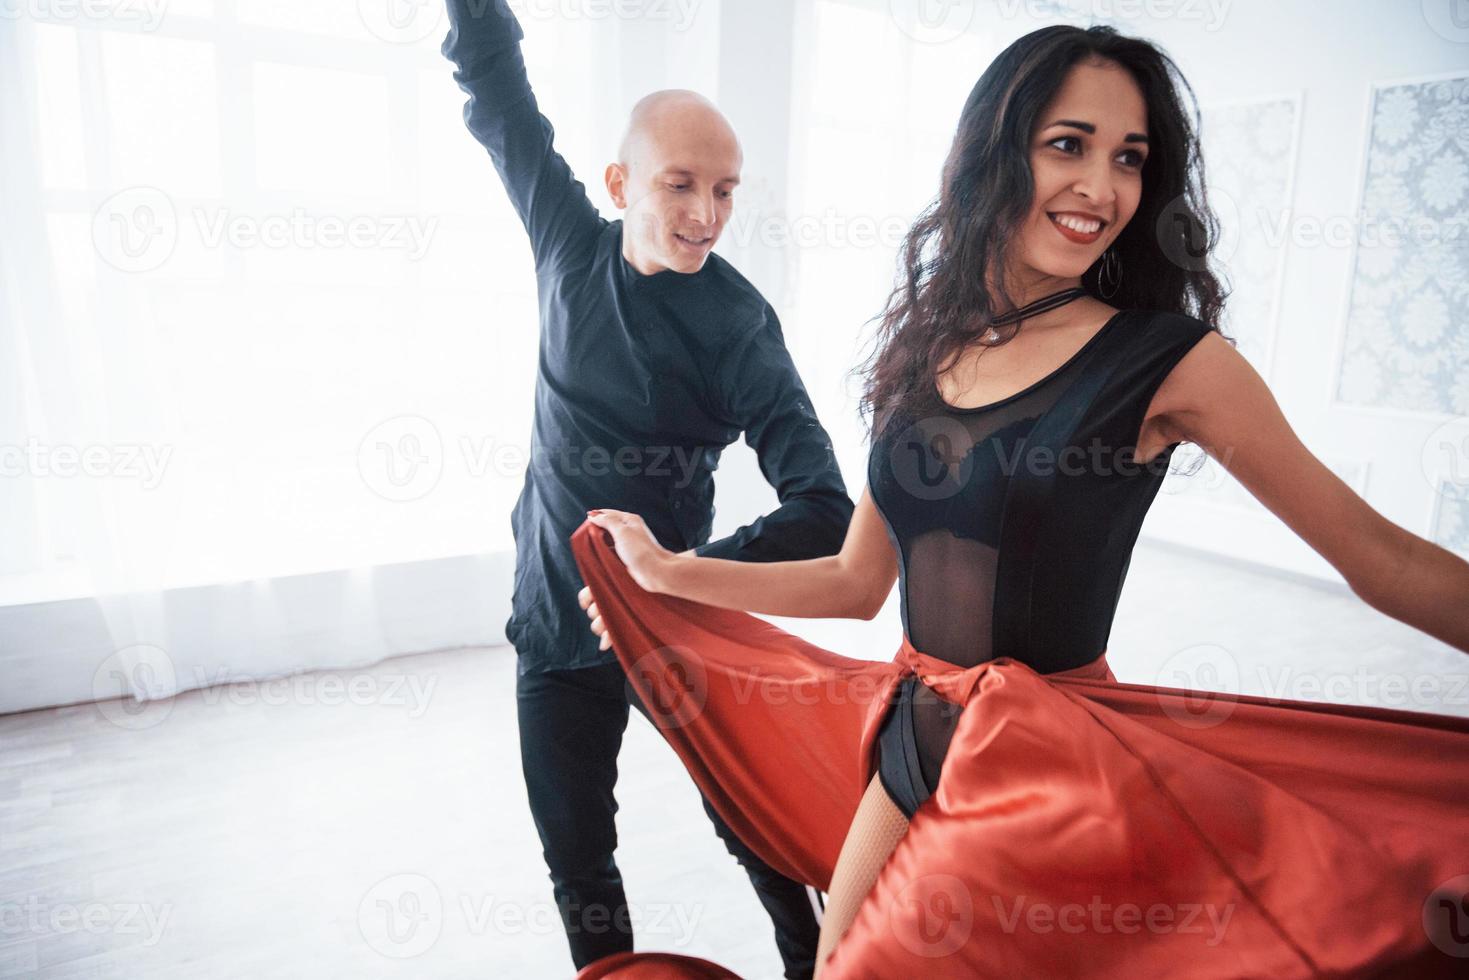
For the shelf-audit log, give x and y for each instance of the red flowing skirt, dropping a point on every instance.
(1081, 827)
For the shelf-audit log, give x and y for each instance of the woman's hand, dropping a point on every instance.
(639, 551)
(644, 557)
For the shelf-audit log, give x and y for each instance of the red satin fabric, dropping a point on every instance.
(653, 966)
(1081, 827)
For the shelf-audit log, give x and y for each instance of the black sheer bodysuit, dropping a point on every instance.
(1014, 523)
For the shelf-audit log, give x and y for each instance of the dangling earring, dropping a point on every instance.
(1109, 276)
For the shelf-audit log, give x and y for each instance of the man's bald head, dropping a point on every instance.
(675, 115)
(674, 179)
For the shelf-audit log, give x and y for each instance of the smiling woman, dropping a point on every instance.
(996, 762)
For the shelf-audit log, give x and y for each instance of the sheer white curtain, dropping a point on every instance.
(267, 337)
(879, 88)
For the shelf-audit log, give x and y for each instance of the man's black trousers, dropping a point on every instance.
(571, 726)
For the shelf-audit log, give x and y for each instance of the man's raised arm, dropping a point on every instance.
(484, 44)
(763, 392)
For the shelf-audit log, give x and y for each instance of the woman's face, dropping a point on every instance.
(1086, 156)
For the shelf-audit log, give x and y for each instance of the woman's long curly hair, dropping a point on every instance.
(942, 302)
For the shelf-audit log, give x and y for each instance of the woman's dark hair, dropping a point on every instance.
(942, 301)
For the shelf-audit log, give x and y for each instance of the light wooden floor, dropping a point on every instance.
(276, 832)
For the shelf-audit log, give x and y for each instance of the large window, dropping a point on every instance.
(271, 310)
(879, 100)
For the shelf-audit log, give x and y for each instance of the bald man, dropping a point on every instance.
(655, 354)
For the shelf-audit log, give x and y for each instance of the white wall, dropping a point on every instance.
(866, 132)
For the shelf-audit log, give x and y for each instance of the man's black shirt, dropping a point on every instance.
(643, 380)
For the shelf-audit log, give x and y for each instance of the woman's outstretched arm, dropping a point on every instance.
(875, 831)
(852, 584)
(1216, 399)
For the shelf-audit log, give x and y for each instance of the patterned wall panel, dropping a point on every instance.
(1406, 344)
(1249, 164)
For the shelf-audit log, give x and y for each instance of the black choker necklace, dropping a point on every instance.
(1034, 308)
